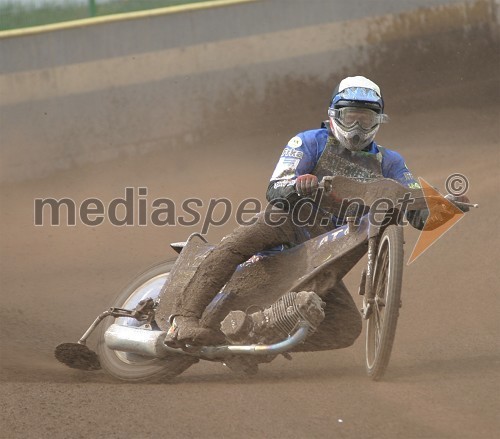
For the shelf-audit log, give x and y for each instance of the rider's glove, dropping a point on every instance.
(441, 213)
(460, 199)
(306, 184)
(437, 217)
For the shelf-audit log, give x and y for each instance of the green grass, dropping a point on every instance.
(14, 16)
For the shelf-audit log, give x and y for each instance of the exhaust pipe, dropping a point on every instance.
(221, 352)
(150, 344)
(136, 341)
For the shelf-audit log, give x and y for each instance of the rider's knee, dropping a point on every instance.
(353, 331)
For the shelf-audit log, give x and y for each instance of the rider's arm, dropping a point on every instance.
(298, 158)
(394, 166)
(419, 218)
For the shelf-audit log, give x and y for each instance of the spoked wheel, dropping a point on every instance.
(133, 367)
(387, 280)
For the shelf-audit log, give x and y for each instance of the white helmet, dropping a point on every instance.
(356, 112)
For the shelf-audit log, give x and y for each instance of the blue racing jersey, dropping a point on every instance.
(302, 153)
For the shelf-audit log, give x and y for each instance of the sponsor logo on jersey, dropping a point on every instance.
(295, 142)
(283, 183)
(286, 168)
(289, 152)
(414, 186)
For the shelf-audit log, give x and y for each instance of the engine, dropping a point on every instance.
(275, 322)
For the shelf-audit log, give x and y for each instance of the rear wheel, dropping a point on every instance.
(133, 367)
(387, 280)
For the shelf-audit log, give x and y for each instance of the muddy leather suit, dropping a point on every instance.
(312, 152)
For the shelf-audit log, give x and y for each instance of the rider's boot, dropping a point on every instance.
(187, 330)
(190, 303)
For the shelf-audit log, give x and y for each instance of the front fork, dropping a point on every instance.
(366, 286)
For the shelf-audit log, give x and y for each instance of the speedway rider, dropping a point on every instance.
(343, 146)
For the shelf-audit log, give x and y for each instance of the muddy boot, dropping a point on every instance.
(187, 330)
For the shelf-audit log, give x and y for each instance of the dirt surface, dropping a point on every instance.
(443, 376)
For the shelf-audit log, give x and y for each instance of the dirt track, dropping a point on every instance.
(443, 376)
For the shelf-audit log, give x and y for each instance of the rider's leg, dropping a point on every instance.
(218, 267)
(342, 324)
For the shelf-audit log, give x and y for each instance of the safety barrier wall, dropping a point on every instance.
(97, 89)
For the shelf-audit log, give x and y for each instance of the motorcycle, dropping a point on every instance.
(272, 305)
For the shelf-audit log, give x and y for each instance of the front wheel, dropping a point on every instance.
(133, 367)
(387, 281)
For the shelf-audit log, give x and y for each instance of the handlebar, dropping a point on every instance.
(461, 204)
(339, 188)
